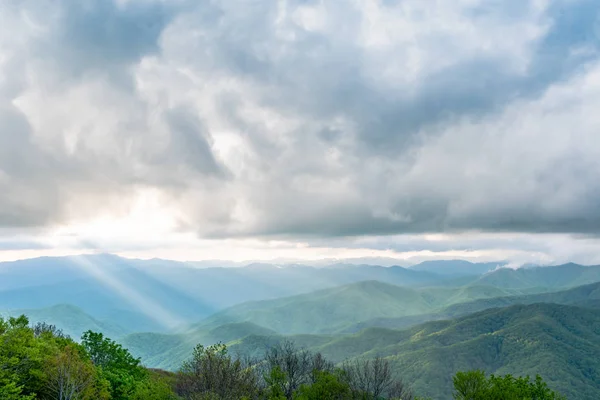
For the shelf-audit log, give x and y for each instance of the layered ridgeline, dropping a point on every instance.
(352, 307)
(561, 343)
(583, 296)
(334, 312)
(343, 311)
(160, 295)
(72, 320)
(326, 311)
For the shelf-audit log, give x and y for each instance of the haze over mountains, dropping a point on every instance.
(126, 290)
(430, 320)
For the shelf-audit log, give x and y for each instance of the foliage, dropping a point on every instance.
(40, 362)
(71, 376)
(211, 371)
(22, 359)
(275, 384)
(156, 387)
(327, 386)
(473, 385)
(122, 371)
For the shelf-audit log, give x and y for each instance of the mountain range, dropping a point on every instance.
(161, 295)
(429, 320)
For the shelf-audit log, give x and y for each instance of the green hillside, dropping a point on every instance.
(561, 343)
(70, 319)
(334, 310)
(169, 351)
(584, 296)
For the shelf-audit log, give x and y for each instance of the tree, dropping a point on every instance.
(373, 379)
(21, 359)
(473, 385)
(41, 328)
(122, 371)
(155, 387)
(296, 366)
(275, 382)
(470, 385)
(212, 372)
(327, 386)
(70, 377)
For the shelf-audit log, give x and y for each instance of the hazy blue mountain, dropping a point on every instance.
(560, 276)
(333, 310)
(154, 303)
(70, 319)
(107, 286)
(160, 295)
(457, 267)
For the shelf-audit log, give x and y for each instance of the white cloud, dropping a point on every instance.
(299, 121)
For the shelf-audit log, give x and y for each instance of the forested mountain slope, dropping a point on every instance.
(561, 343)
(584, 296)
(333, 310)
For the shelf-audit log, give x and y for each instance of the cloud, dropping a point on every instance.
(303, 119)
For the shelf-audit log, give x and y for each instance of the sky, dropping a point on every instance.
(264, 129)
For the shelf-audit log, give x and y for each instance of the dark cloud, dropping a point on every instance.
(189, 143)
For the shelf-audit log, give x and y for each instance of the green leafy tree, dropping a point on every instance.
(122, 371)
(275, 381)
(10, 389)
(327, 386)
(473, 385)
(21, 359)
(214, 373)
(470, 385)
(153, 388)
(71, 376)
(508, 387)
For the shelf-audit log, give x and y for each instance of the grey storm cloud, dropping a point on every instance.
(296, 118)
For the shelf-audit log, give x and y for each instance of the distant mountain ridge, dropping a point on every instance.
(72, 320)
(566, 275)
(583, 296)
(107, 286)
(458, 267)
(161, 295)
(333, 310)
